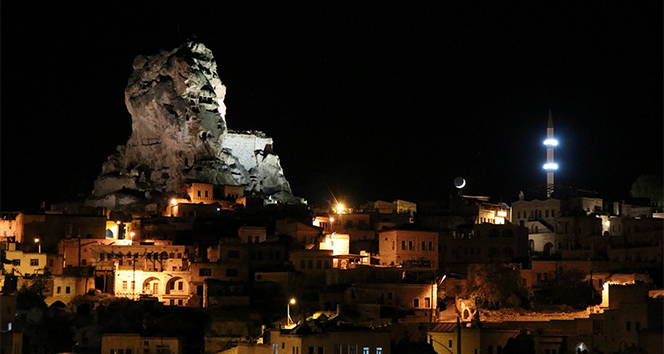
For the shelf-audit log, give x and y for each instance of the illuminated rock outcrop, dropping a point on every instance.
(179, 134)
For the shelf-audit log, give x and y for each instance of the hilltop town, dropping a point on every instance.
(192, 242)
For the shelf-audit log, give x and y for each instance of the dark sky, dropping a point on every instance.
(379, 100)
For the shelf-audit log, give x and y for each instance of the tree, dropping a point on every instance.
(31, 296)
(566, 287)
(494, 286)
(649, 186)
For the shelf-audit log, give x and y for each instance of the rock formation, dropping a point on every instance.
(179, 135)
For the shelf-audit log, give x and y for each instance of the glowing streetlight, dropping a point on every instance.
(38, 243)
(291, 302)
(551, 142)
(340, 208)
(550, 166)
(174, 201)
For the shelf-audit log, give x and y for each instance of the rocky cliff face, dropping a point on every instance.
(179, 134)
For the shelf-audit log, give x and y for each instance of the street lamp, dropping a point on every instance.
(291, 302)
(38, 243)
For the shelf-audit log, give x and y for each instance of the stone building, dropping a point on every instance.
(409, 245)
(134, 343)
(329, 336)
(485, 243)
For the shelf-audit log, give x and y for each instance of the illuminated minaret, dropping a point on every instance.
(550, 165)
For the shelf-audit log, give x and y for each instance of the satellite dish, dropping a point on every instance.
(459, 182)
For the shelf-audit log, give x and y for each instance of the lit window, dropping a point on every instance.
(365, 350)
(124, 285)
(379, 350)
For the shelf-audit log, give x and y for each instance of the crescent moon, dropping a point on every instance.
(462, 184)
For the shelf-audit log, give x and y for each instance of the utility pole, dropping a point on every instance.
(458, 333)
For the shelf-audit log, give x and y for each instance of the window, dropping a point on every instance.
(172, 302)
(379, 350)
(427, 302)
(499, 349)
(365, 350)
(637, 325)
(310, 264)
(84, 262)
(449, 343)
(403, 245)
(393, 245)
(17, 262)
(34, 262)
(179, 255)
(257, 239)
(311, 350)
(489, 349)
(301, 263)
(319, 264)
(430, 246)
(180, 285)
(628, 326)
(352, 349)
(124, 285)
(206, 194)
(68, 290)
(180, 302)
(198, 193)
(59, 289)
(205, 272)
(320, 350)
(410, 245)
(231, 272)
(424, 246)
(416, 302)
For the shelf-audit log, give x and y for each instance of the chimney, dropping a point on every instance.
(616, 208)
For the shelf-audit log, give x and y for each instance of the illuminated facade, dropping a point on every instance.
(160, 271)
(408, 245)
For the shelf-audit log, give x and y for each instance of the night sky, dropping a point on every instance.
(379, 100)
